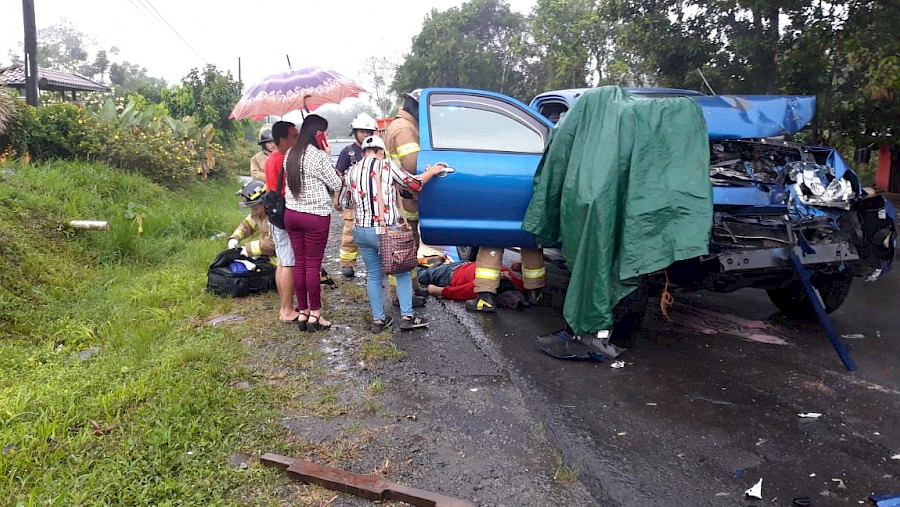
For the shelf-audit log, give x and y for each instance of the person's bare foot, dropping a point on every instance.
(290, 317)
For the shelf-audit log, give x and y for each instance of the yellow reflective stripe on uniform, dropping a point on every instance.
(347, 256)
(534, 273)
(487, 273)
(393, 155)
(255, 248)
(250, 221)
(410, 215)
(407, 149)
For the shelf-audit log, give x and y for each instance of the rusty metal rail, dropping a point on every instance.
(362, 486)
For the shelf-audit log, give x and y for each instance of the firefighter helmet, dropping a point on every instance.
(414, 95)
(363, 122)
(252, 193)
(265, 134)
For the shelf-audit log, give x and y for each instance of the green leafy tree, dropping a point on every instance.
(567, 34)
(471, 46)
(208, 96)
(131, 78)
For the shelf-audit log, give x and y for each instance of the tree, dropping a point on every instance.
(567, 34)
(60, 46)
(381, 70)
(208, 96)
(471, 46)
(130, 78)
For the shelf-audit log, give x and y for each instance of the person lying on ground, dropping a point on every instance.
(456, 281)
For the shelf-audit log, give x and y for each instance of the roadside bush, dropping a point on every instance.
(64, 131)
(159, 156)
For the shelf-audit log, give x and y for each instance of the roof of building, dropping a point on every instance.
(50, 80)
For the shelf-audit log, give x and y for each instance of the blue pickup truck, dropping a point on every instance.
(761, 183)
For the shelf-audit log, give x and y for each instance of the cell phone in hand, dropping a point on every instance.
(321, 140)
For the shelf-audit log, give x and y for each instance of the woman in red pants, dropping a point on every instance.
(310, 196)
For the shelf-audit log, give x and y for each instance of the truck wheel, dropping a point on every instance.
(467, 253)
(629, 315)
(791, 299)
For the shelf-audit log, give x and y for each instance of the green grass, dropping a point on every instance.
(158, 389)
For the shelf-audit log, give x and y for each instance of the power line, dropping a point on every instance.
(140, 5)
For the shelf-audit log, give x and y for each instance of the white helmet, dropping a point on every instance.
(363, 122)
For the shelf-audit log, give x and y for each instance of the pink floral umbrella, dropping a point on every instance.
(301, 89)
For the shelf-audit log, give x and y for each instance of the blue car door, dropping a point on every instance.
(494, 143)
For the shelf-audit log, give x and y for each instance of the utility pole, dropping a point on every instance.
(31, 67)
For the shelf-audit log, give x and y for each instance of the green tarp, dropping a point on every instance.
(624, 185)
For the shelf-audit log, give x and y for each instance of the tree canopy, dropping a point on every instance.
(846, 52)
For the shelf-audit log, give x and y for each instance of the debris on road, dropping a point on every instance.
(855, 336)
(810, 415)
(362, 486)
(617, 364)
(840, 483)
(755, 491)
(895, 456)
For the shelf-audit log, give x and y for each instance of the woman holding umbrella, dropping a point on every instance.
(310, 195)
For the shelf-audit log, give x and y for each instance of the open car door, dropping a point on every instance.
(494, 143)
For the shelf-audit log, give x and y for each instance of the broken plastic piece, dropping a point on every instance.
(895, 456)
(617, 364)
(810, 415)
(755, 491)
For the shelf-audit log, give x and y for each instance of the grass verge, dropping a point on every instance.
(148, 414)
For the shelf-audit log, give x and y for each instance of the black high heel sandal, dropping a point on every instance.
(315, 326)
(302, 324)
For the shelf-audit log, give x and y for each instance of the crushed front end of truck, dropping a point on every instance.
(771, 196)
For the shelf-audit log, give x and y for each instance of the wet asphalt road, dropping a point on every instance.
(697, 419)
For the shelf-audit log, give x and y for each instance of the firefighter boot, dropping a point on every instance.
(534, 297)
(483, 303)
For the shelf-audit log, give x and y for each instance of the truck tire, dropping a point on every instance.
(792, 300)
(629, 314)
(467, 253)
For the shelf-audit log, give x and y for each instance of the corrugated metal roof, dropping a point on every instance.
(49, 79)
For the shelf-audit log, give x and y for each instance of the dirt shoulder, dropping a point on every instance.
(429, 408)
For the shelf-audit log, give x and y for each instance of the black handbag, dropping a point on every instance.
(274, 201)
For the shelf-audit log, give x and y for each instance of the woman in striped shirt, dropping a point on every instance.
(309, 197)
(361, 191)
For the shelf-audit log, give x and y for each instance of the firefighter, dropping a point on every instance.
(256, 222)
(488, 269)
(362, 126)
(258, 161)
(402, 141)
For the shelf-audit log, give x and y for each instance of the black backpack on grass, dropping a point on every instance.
(221, 280)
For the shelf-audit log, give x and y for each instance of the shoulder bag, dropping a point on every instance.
(398, 247)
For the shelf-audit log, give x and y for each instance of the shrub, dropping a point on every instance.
(159, 156)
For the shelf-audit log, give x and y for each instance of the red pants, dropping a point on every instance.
(309, 235)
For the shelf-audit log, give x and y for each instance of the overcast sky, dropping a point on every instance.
(338, 34)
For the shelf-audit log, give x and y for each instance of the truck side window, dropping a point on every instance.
(461, 122)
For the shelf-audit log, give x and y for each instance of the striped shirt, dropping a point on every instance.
(319, 181)
(360, 191)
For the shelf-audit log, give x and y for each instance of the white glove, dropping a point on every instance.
(244, 251)
(233, 243)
